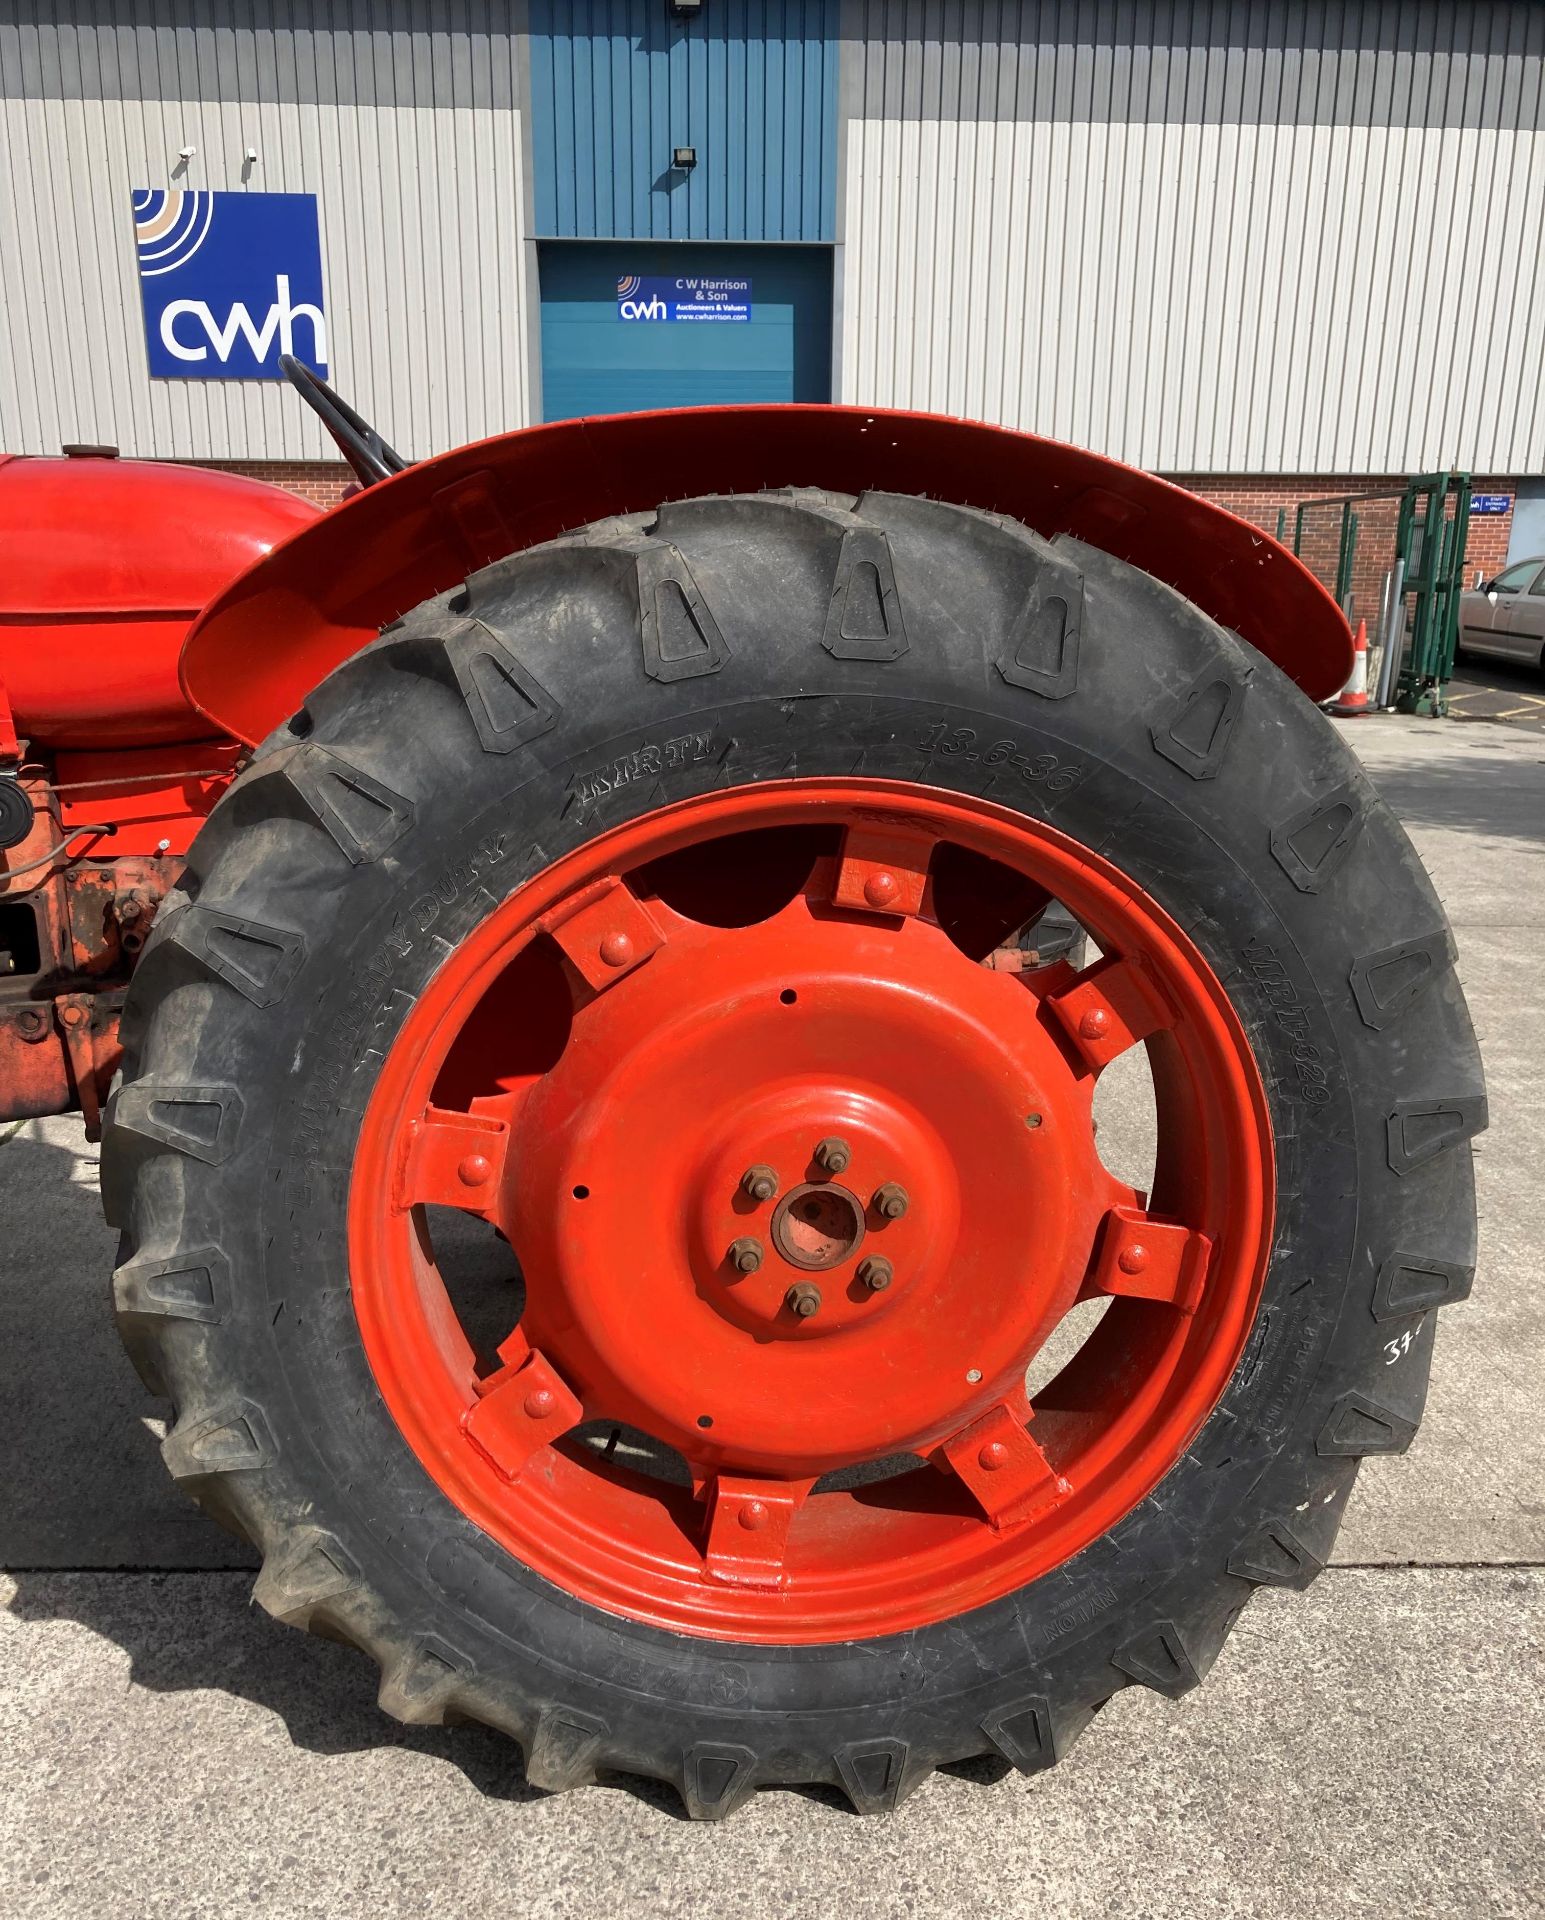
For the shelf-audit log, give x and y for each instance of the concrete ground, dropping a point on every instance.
(1376, 1745)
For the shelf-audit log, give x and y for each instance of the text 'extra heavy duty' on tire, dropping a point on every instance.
(607, 1157)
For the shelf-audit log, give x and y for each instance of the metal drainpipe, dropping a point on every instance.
(1392, 639)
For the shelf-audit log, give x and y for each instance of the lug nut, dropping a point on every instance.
(746, 1255)
(759, 1182)
(803, 1299)
(832, 1155)
(876, 1273)
(890, 1201)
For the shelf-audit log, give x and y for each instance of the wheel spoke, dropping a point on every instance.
(1008, 1475)
(520, 1409)
(749, 1522)
(1140, 1256)
(1108, 1008)
(883, 870)
(455, 1159)
(608, 935)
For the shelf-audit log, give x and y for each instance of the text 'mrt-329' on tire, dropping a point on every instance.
(601, 1154)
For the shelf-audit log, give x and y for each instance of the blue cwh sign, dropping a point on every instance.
(663, 297)
(229, 282)
(1490, 502)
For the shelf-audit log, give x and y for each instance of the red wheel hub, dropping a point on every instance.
(750, 1046)
(797, 1184)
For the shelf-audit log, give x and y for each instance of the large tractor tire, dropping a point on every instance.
(654, 905)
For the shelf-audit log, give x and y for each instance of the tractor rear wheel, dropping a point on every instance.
(819, 1406)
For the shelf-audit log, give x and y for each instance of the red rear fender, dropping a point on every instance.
(264, 642)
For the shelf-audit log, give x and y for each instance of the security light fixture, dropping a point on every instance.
(688, 7)
(186, 153)
(684, 157)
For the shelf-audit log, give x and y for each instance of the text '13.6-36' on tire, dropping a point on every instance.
(608, 1164)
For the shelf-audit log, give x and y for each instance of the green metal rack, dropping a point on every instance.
(1432, 524)
(1433, 528)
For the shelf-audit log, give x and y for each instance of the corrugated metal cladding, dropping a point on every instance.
(1203, 238)
(404, 120)
(1264, 237)
(618, 85)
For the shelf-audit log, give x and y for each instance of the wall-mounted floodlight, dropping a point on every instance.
(684, 158)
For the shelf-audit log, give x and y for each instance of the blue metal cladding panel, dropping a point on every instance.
(594, 361)
(617, 85)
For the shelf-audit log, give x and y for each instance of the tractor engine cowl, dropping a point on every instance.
(107, 562)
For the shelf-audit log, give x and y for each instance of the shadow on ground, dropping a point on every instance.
(1473, 789)
(1498, 692)
(84, 1485)
(197, 1631)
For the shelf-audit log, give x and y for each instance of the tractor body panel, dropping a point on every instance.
(280, 628)
(107, 562)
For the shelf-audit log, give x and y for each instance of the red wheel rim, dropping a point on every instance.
(623, 1058)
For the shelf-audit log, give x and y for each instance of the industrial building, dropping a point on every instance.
(1274, 249)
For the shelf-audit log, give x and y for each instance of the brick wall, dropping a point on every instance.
(323, 481)
(1256, 498)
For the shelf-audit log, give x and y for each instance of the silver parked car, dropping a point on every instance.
(1505, 616)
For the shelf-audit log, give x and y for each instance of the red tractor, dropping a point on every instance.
(595, 1008)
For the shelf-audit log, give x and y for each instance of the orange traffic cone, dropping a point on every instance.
(1354, 695)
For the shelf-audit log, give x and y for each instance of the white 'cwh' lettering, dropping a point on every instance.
(280, 318)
